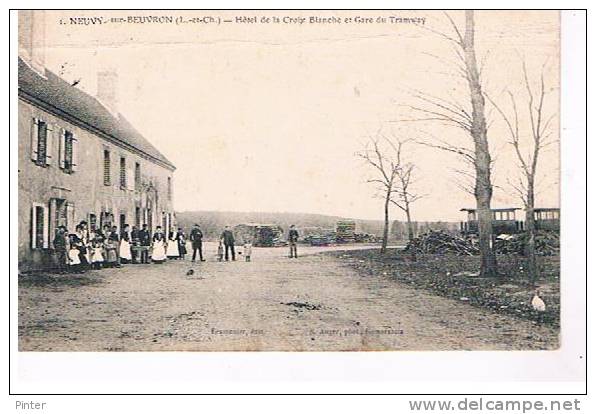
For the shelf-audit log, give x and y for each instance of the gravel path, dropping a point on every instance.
(313, 303)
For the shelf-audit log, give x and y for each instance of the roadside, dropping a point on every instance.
(456, 277)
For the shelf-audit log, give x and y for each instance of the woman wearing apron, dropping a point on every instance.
(125, 252)
(172, 251)
(158, 254)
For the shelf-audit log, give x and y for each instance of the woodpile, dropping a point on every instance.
(260, 235)
(442, 242)
(547, 244)
(345, 231)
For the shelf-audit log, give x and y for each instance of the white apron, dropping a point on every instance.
(173, 249)
(159, 251)
(73, 257)
(125, 250)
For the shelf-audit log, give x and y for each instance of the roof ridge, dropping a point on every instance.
(57, 92)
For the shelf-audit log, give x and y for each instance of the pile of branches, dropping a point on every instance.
(546, 242)
(442, 242)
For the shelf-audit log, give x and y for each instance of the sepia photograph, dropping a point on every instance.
(278, 180)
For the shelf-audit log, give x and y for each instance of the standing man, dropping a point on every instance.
(293, 239)
(135, 240)
(196, 238)
(145, 239)
(61, 248)
(228, 240)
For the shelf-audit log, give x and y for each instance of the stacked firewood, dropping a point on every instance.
(442, 242)
(345, 231)
(546, 242)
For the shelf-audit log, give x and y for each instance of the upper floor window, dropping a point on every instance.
(122, 173)
(106, 168)
(169, 188)
(41, 142)
(137, 176)
(68, 151)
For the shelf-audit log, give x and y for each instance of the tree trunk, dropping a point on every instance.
(531, 234)
(410, 233)
(386, 226)
(483, 186)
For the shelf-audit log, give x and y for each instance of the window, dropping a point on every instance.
(92, 221)
(39, 226)
(68, 152)
(106, 168)
(138, 217)
(123, 173)
(137, 176)
(169, 188)
(41, 144)
(106, 218)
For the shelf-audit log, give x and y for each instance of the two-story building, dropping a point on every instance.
(79, 158)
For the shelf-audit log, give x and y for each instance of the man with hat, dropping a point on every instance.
(196, 238)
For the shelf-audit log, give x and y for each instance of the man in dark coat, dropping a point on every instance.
(135, 241)
(145, 240)
(61, 248)
(292, 240)
(228, 240)
(196, 238)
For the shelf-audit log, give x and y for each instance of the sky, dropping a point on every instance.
(270, 116)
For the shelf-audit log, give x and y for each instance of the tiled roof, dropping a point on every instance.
(60, 95)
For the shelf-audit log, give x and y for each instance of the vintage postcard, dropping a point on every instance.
(288, 180)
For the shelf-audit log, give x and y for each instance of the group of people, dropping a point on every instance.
(91, 247)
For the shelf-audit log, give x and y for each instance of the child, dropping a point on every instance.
(73, 255)
(220, 251)
(247, 251)
(97, 253)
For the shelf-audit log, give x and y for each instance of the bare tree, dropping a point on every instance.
(394, 178)
(402, 195)
(528, 164)
(472, 120)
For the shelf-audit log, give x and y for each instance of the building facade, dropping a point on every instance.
(79, 159)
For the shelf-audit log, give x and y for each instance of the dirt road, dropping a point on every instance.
(313, 303)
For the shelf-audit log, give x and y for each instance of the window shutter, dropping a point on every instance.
(52, 222)
(33, 227)
(62, 149)
(75, 153)
(34, 138)
(46, 227)
(49, 143)
(130, 179)
(70, 216)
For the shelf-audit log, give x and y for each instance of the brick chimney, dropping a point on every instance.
(32, 38)
(107, 89)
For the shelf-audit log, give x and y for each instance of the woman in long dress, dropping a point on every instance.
(181, 243)
(111, 248)
(82, 244)
(125, 251)
(172, 250)
(158, 254)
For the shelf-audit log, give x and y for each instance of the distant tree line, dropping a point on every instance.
(213, 222)
(399, 229)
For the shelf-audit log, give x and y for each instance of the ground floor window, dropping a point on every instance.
(39, 226)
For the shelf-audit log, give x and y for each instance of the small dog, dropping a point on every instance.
(190, 272)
